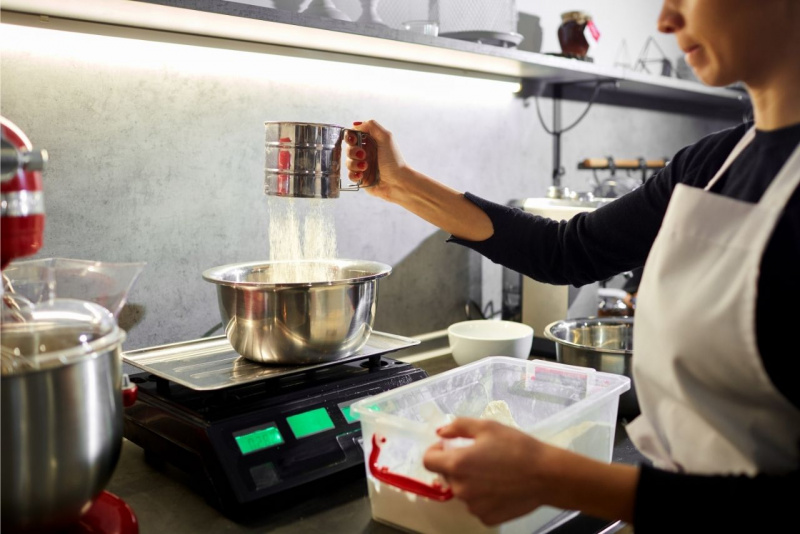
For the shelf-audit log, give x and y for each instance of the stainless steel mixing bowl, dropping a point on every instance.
(602, 343)
(297, 312)
(62, 418)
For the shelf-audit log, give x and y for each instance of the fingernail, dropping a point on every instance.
(357, 174)
(357, 123)
(360, 153)
(439, 430)
(351, 139)
(362, 164)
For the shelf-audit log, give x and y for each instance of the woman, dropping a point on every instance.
(718, 233)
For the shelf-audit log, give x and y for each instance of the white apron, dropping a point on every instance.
(707, 404)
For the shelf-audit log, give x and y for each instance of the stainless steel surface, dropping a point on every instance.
(61, 424)
(305, 159)
(211, 363)
(12, 159)
(21, 203)
(270, 318)
(603, 343)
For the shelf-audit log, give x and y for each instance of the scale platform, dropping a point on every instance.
(251, 431)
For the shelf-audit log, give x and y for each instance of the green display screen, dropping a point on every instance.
(307, 423)
(350, 417)
(256, 440)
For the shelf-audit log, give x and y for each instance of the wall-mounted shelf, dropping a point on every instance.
(348, 41)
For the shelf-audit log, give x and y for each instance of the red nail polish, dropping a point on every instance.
(360, 153)
(357, 174)
(357, 123)
(362, 164)
(351, 139)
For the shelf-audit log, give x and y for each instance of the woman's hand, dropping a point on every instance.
(391, 170)
(506, 473)
(499, 475)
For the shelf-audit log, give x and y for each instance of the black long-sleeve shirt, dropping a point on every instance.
(617, 237)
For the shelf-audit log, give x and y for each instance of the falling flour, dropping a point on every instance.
(301, 229)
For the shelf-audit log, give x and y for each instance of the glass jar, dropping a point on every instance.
(570, 33)
(614, 303)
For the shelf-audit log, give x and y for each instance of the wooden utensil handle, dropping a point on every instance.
(605, 163)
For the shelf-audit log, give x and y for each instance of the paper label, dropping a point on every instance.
(593, 31)
(561, 380)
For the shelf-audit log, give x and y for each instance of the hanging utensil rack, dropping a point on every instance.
(631, 164)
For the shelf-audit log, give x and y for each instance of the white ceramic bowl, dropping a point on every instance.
(473, 340)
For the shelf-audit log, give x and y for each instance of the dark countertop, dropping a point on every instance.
(166, 499)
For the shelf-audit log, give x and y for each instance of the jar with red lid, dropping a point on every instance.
(571, 33)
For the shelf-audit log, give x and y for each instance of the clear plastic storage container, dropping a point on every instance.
(568, 406)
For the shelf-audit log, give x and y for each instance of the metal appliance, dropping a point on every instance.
(537, 304)
(62, 385)
(250, 432)
(304, 160)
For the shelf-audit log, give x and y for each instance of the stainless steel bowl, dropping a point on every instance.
(602, 343)
(297, 312)
(61, 420)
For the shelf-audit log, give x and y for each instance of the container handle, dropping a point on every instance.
(434, 491)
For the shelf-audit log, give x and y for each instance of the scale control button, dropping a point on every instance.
(310, 422)
(264, 475)
(258, 438)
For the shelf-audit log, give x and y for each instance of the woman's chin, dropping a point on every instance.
(713, 77)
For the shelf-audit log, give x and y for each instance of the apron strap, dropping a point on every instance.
(743, 142)
(782, 187)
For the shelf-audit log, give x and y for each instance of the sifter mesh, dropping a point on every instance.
(453, 15)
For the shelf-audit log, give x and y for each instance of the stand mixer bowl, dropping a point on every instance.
(62, 416)
(62, 386)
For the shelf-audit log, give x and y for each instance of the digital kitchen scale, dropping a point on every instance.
(253, 431)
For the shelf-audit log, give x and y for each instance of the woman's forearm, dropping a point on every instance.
(598, 489)
(441, 206)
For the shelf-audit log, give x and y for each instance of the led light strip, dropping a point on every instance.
(136, 48)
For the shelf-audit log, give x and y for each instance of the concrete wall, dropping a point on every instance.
(156, 155)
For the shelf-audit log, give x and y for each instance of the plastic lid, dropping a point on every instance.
(54, 333)
(104, 283)
(578, 16)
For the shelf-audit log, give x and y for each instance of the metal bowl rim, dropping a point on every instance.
(214, 274)
(97, 348)
(588, 321)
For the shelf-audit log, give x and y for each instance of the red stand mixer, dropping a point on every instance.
(22, 201)
(28, 502)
